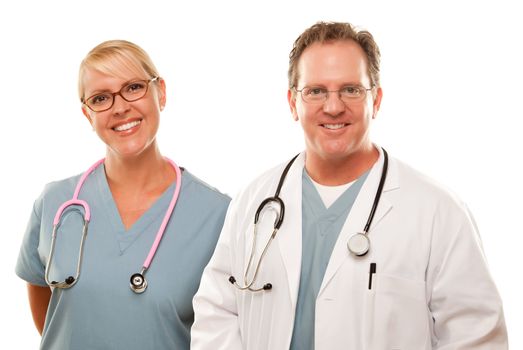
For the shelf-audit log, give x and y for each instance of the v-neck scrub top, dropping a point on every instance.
(101, 311)
(321, 227)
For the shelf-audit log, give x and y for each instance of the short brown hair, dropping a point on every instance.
(324, 32)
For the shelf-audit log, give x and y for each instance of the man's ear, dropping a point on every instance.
(291, 98)
(377, 102)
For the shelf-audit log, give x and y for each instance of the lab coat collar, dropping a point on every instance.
(290, 236)
(359, 214)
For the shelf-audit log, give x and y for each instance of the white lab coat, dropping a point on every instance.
(431, 290)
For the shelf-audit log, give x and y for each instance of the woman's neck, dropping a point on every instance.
(137, 182)
(145, 171)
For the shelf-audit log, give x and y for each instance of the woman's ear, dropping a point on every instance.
(162, 94)
(87, 114)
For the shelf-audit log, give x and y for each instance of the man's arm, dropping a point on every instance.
(216, 324)
(464, 301)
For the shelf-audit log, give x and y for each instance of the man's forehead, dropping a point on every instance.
(342, 61)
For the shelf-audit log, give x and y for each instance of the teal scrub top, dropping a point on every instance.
(101, 311)
(320, 230)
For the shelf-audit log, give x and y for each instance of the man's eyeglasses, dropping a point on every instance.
(132, 91)
(348, 94)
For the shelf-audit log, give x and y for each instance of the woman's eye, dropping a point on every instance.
(135, 87)
(99, 99)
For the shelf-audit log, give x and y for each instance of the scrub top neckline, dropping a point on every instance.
(337, 207)
(126, 237)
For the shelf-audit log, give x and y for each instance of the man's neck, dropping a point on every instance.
(339, 171)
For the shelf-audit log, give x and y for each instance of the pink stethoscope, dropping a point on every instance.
(138, 283)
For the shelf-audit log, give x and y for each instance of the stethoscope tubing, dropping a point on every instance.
(75, 200)
(166, 218)
(71, 281)
(277, 224)
(378, 192)
(279, 220)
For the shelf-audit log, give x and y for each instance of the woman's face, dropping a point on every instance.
(127, 128)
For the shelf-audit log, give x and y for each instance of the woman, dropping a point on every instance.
(128, 197)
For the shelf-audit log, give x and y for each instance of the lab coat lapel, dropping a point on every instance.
(359, 214)
(290, 236)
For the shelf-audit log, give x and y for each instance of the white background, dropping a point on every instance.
(451, 75)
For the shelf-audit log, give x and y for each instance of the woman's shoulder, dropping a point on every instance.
(59, 190)
(202, 189)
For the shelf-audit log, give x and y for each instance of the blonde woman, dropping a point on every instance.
(132, 235)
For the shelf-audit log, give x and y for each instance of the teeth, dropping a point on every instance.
(127, 126)
(333, 126)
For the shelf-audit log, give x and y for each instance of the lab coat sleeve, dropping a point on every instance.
(464, 302)
(216, 324)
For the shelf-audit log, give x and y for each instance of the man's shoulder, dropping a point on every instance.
(417, 184)
(268, 178)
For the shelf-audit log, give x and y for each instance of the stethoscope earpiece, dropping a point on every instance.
(267, 286)
(67, 283)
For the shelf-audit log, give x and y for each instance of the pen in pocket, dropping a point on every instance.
(372, 271)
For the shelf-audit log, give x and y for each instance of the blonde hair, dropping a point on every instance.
(116, 58)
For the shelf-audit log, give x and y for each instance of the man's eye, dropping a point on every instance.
(316, 91)
(351, 90)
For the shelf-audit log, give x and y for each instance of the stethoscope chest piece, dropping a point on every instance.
(358, 244)
(138, 283)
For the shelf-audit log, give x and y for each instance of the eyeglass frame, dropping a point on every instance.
(338, 91)
(119, 92)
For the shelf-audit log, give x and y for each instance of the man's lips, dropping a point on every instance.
(335, 126)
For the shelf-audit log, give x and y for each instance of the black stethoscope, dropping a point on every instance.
(358, 244)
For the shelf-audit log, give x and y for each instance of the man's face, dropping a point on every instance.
(334, 130)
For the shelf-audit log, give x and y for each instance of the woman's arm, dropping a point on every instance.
(39, 301)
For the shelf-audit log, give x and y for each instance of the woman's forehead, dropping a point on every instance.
(120, 67)
(95, 81)
(110, 75)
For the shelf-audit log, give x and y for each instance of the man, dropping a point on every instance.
(370, 254)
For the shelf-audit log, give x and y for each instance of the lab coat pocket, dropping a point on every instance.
(396, 314)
